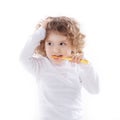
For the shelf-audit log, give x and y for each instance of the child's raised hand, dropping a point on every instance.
(77, 57)
(45, 22)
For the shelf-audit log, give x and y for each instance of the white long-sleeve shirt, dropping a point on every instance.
(59, 86)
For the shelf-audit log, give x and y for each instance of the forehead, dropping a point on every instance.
(56, 36)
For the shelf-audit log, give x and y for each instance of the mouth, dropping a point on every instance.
(57, 56)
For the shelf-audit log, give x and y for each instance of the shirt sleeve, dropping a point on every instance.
(32, 64)
(89, 78)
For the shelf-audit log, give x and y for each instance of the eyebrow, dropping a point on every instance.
(60, 41)
(48, 40)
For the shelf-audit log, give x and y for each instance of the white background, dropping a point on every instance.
(100, 22)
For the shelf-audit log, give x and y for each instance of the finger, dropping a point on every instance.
(75, 59)
(78, 58)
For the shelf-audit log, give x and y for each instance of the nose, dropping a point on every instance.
(56, 49)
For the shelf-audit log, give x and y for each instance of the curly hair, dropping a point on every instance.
(67, 27)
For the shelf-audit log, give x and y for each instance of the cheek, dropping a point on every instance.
(67, 51)
(46, 48)
(48, 51)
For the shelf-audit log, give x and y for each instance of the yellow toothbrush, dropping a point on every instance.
(69, 58)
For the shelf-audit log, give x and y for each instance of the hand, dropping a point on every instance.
(77, 57)
(45, 22)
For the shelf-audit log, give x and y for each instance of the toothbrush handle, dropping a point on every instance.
(82, 60)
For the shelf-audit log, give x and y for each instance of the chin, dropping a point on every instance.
(58, 62)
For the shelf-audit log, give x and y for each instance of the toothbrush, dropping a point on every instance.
(70, 58)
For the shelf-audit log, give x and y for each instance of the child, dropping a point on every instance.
(59, 80)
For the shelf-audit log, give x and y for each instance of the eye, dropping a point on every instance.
(62, 43)
(49, 43)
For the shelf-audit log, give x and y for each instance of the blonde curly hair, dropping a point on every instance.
(67, 27)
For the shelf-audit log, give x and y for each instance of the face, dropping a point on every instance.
(58, 45)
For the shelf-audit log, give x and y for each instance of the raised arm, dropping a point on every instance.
(31, 63)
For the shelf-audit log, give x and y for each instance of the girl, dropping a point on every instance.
(59, 80)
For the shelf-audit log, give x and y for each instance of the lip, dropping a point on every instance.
(57, 57)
